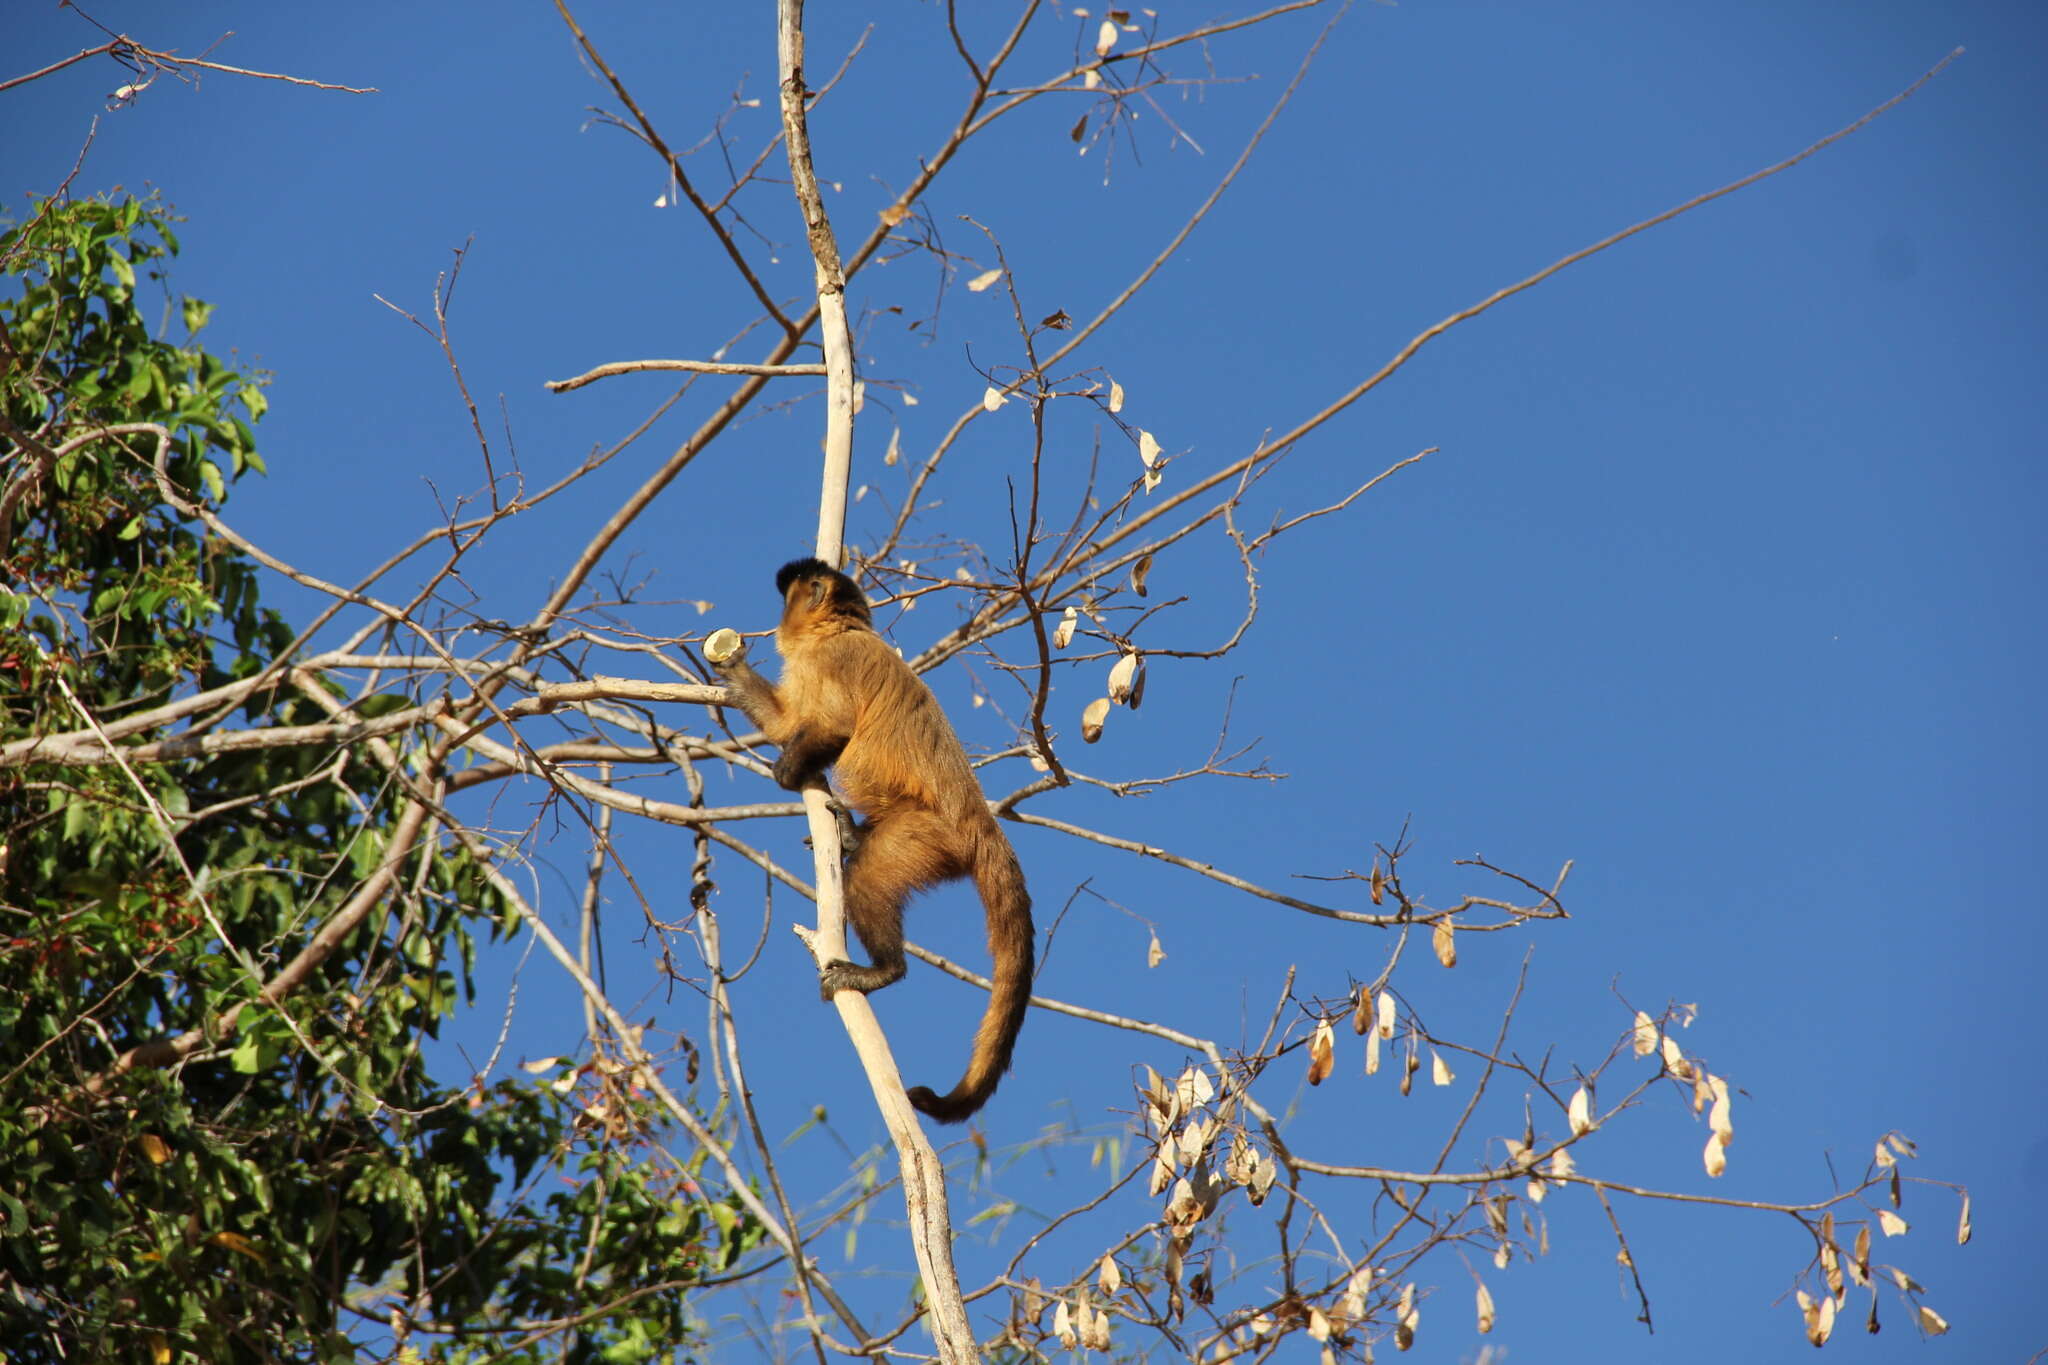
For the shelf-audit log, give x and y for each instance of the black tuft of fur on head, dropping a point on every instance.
(836, 593)
(797, 568)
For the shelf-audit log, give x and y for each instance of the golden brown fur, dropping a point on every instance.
(847, 702)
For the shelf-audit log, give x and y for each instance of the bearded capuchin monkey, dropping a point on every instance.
(847, 702)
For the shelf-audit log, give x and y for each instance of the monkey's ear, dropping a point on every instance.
(818, 590)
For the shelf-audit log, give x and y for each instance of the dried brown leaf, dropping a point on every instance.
(239, 1244)
(1355, 1290)
(1718, 1118)
(1674, 1060)
(1646, 1034)
(1444, 939)
(1321, 1052)
(1121, 675)
(1580, 1113)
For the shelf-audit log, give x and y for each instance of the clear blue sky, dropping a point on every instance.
(1727, 582)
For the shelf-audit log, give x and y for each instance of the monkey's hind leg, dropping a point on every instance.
(898, 855)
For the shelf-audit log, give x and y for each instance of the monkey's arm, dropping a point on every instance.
(810, 724)
(753, 694)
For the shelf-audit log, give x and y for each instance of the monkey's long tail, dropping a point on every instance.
(1007, 906)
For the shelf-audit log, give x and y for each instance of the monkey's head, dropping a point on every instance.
(813, 588)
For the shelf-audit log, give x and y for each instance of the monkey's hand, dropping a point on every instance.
(735, 671)
(805, 756)
(790, 772)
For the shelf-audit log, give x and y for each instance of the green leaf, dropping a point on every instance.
(197, 315)
(264, 1037)
(209, 474)
(77, 817)
(247, 1057)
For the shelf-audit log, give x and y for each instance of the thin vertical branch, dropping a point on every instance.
(924, 1176)
(593, 894)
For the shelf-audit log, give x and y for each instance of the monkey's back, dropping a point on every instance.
(903, 752)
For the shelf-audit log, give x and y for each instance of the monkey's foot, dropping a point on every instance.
(841, 975)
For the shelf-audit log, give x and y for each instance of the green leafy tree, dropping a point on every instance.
(221, 1135)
